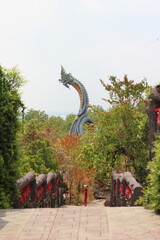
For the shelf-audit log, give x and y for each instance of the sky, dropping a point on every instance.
(92, 39)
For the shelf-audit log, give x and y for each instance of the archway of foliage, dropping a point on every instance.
(10, 105)
(118, 139)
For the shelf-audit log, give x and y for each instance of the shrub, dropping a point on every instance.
(10, 104)
(151, 196)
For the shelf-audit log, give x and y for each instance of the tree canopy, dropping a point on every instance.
(119, 138)
(10, 106)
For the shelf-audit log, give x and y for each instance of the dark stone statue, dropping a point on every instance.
(153, 126)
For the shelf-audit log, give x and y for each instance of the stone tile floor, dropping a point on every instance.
(94, 222)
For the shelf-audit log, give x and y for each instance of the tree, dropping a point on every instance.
(125, 91)
(62, 125)
(10, 105)
(58, 123)
(68, 121)
(38, 151)
(92, 112)
(75, 177)
(119, 137)
(41, 116)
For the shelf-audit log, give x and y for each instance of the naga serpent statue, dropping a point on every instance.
(81, 118)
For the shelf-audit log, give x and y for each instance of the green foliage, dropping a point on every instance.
(151, 196)
(118, 139)
(93, 112)
(68, 121)
(125, 91)
(4, 199)
(40, 139)
(10, 104)
(58, 123)
(41, 116)
(38, 151)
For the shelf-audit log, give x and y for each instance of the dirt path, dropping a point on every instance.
(97, 203)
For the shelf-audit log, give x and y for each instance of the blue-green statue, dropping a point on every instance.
(81, 118)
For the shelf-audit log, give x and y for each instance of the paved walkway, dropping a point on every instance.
(80, 223)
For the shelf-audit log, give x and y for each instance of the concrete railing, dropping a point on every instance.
(125, 190)
(43, 191)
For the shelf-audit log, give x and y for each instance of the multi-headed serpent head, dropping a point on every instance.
(66, 78)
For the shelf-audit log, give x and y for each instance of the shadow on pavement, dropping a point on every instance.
(2, 221)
